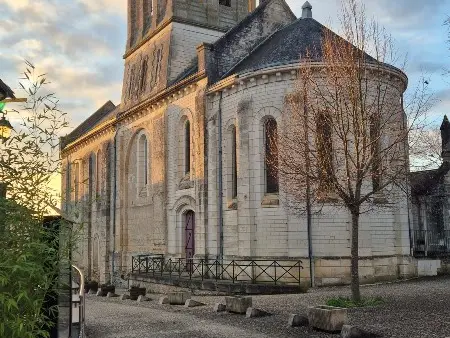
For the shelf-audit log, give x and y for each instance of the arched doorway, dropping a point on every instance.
(189, 238)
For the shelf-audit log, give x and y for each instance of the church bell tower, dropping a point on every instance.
(163, 36)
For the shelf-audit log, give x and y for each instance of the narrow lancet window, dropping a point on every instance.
(187, 148)
(271, 156)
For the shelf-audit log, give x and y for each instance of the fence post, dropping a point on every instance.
(275, 272)
(139, 264)
(426, 242)
(232, 262)
(202, 268)
(253, 263)
(299, 268)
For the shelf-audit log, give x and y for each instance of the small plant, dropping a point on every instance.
(346, 302)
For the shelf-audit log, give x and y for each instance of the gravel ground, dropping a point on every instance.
(418, 308)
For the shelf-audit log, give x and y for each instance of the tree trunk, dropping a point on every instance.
(356, 295)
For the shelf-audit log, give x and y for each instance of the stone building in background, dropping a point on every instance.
(178, 167)
(430, 196)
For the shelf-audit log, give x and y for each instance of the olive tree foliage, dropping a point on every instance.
(29, 257)
(345, 129)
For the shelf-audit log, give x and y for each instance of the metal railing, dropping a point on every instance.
(254, 271)
(431, 243)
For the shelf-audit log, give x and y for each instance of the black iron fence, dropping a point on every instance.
(429, 242)
(255, 271)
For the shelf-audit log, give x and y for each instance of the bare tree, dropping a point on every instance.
(345, 130)
(425, 149)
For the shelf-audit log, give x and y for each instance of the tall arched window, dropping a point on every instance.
(234, 161)
(375, 138)
(271, 155)
(148, 13)
(187, 147)
(91, 176)
(324, 145)
(142, 166)
(98, 172)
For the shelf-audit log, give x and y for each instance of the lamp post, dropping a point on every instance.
(5, 133)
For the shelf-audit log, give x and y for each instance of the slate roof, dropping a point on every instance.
(90, 123)
(287, 46)
(425, 182)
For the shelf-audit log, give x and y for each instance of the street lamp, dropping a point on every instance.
(5, 128)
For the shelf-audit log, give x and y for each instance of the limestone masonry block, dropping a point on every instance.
(99, 293)
(193, 303)
(297, 320)
(124, 297)
(219, 307)
(253, 313)
(179, 298)
(349, 331)
(238, 304)
(327, 318)
(143, 299)
(111, 295)
(164, 300)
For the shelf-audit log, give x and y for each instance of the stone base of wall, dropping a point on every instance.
(330, 271)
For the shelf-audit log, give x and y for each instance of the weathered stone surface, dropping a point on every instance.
(179, 298)
(254, 312)
(238, 304)
(193, 303)
(327, 318)
(219, 307)
(99, 293)
(111, 295)
(349, 331)
(143, 299)
(297, 320)
(124, 296)
(164, 300)
(92, 292)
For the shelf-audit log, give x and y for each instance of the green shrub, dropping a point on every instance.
(346, 302)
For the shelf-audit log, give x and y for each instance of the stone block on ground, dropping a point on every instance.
(254, 313)
(111, 295)
(99, 293)
(349, 331)
(219, 307)
(327, 318)
(92, 292)
(179, 298)
(163, 300)
(142, 298)
(193, 303)
(238, 304)
(297, 320)
(124, 297)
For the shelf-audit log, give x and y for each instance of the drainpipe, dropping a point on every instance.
(220, 171)
(308, 196)
(114, 209)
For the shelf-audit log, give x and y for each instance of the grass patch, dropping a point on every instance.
(346, 302)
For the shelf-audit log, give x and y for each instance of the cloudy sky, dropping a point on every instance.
(80, 43)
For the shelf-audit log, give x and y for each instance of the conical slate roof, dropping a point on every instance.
(288, 45)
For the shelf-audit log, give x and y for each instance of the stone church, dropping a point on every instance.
(179, 167)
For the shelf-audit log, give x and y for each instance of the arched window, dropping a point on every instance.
(234, 170)
(98, 172)
(91, 176)
(77, 181)
(375, 138)
(187, 147)
(142, 166)
(324, 145)
(271, 155)
(148, 13)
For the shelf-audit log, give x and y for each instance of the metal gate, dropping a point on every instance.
(189, 239)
